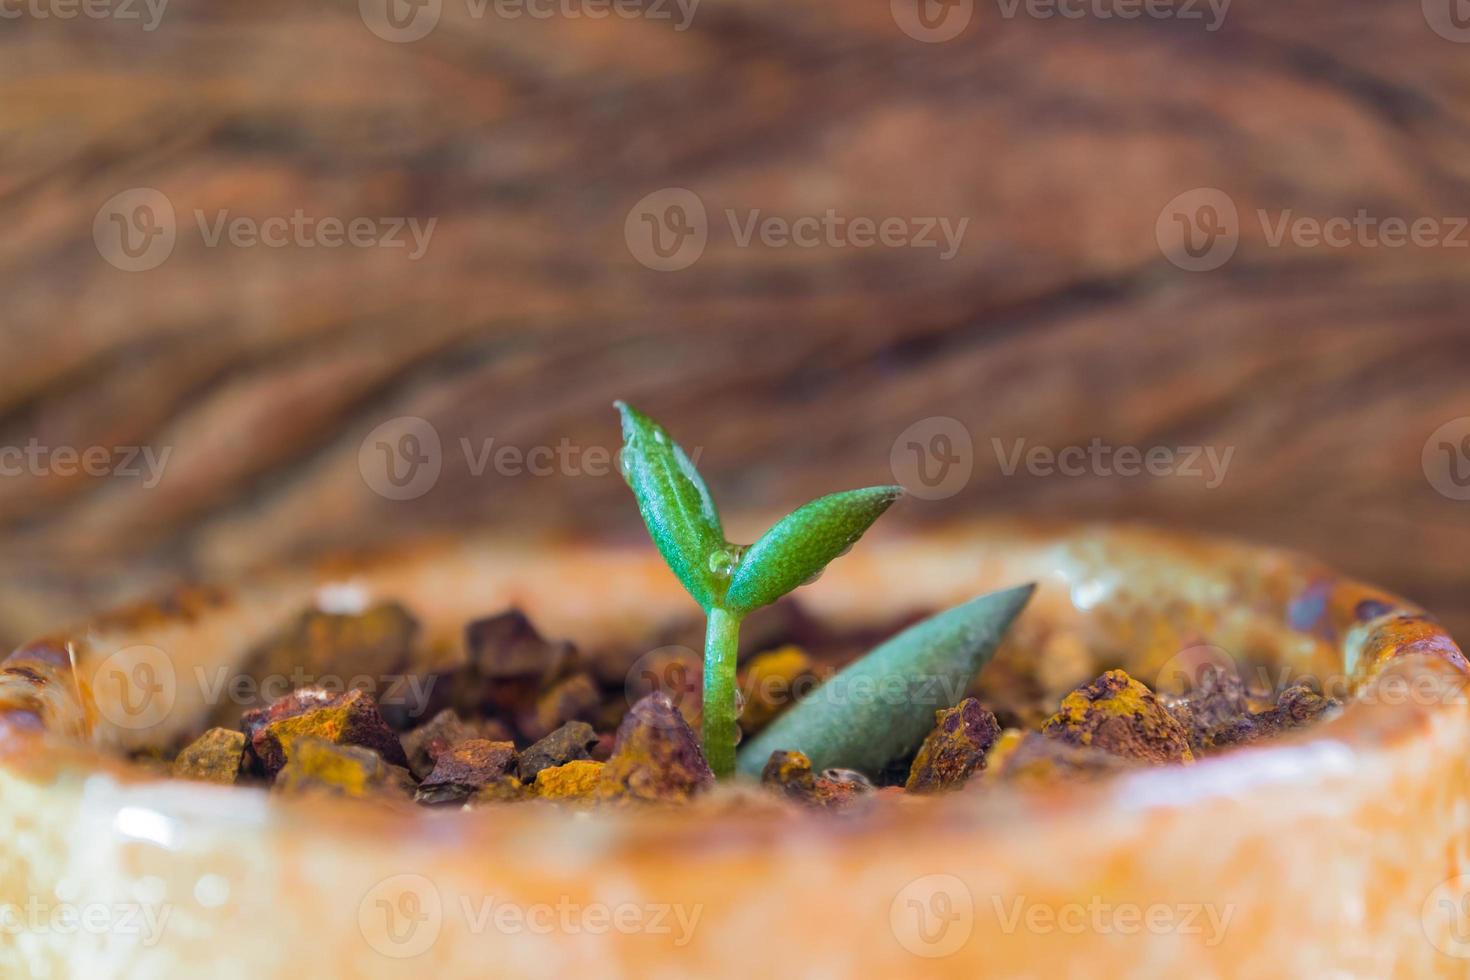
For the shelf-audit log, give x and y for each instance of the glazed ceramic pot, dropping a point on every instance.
(1341, 850)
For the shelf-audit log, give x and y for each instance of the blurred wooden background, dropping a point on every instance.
(263, 370)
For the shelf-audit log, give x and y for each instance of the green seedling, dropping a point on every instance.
(730, 581)
(875, 710)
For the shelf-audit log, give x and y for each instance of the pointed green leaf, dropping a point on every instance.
(800, 545)
(880, 707)
(675, 504)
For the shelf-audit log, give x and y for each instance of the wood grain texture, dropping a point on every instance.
(1058, 320)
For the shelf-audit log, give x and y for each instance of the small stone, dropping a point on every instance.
(213, 757)
(575, 698)
(473, 763)
(343, 719)
(1119, 715)
(674, 671)
(317, 765)
(509, 665)
(838, 789)
(656, 757)
(424, 744)
(570, 742)
(955, 749)
(329, 650)
(1298, 705)
(773, 682)
(502, 789)
(790, 773)
(1218, 701)
(1030, 759)
(577, 780)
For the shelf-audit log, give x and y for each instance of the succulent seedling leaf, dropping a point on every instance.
(880, 707)
(801, 544)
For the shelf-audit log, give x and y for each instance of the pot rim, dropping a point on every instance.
(50, 724)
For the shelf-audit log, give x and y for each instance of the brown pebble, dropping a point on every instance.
(656, 757)
(1218, 701)
(575, 698)
(570, 742)
(317, 765)
(1298, 705)
(1030, 759)
(329, 650)
(213, 757)
(509, 664)
(343, 719)
(955, 749)
(790, 774)
(424, 744)
(1119, 715)
(473, 763)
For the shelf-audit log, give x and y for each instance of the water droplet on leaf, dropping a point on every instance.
(722, 562)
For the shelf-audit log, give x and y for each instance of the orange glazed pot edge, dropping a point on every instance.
(1327, 852)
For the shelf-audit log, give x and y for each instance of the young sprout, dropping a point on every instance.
(727, 580)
